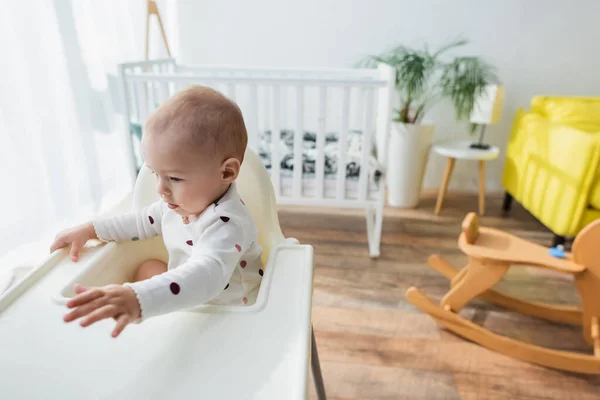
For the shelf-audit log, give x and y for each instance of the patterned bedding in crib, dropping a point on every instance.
(309, 154)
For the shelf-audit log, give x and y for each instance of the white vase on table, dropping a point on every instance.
(409, 149)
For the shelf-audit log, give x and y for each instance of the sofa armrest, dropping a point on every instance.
(550, 169)
(556, 195)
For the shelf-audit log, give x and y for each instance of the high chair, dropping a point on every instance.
(490, 254)
(258, 351)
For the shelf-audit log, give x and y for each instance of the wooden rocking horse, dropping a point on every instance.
(490, 253)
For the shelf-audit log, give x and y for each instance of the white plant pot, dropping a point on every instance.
(408, 154)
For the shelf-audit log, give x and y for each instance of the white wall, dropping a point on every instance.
(538, 46)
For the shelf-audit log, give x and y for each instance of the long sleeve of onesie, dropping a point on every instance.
(220, 244)
(131, 226)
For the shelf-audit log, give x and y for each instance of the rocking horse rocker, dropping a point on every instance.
(490, 253)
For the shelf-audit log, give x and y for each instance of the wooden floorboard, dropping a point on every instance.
(373, 344)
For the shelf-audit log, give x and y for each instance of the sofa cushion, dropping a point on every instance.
(570, 151)
(582, 113)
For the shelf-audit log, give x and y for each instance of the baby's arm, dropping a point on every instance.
(76, 237)
(131, 226)
(217, 253)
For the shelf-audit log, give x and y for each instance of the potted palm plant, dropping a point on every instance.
(422, 79)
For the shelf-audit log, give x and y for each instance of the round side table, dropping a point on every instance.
(461, 150)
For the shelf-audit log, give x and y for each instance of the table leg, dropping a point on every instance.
(444, 187)
(481, 187)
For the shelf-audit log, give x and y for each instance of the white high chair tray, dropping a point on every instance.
(183, 355)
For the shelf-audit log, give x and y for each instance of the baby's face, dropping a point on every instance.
(186, 180)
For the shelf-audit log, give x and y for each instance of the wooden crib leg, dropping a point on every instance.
(374, 217)
(479, 277)
(377, 229)
(369, 217)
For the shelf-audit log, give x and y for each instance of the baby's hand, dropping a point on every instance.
(112, 301)
(76, 237)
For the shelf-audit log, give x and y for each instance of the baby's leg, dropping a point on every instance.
(149, 268)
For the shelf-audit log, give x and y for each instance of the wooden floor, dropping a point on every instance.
(373, 344)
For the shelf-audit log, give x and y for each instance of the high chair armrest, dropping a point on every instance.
(36, 273)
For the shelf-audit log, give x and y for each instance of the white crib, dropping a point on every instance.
(343, 117)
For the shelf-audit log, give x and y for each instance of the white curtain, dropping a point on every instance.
(63, 153)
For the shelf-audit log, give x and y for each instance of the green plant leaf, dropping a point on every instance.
(451, 45)
(423, 79)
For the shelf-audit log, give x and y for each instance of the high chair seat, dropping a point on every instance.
(261, 351)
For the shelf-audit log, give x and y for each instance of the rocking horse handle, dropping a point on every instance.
(470, 228)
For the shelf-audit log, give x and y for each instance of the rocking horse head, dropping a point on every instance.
(470, 228)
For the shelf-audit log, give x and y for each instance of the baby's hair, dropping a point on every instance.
(205, 119)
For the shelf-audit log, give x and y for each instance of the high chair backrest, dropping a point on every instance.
(255, 189)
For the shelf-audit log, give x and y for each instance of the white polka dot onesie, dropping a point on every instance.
(213, 259)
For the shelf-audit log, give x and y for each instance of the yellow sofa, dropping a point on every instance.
(553, 163)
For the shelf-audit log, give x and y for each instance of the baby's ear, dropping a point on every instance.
(230, 169)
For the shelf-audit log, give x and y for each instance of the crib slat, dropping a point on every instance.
(275, 137)
(265, 107)
(253, 131)
(142, 101)
(136, 100)
(299, 142)
(164, 92)
(150, 96)
(127, 91)
(283, 119)
(366, 144)
(384, 113)
(320, 161)
(155, 87)
(343, 145)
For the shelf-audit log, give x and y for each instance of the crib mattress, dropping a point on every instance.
(285, 147)
(309, 155)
